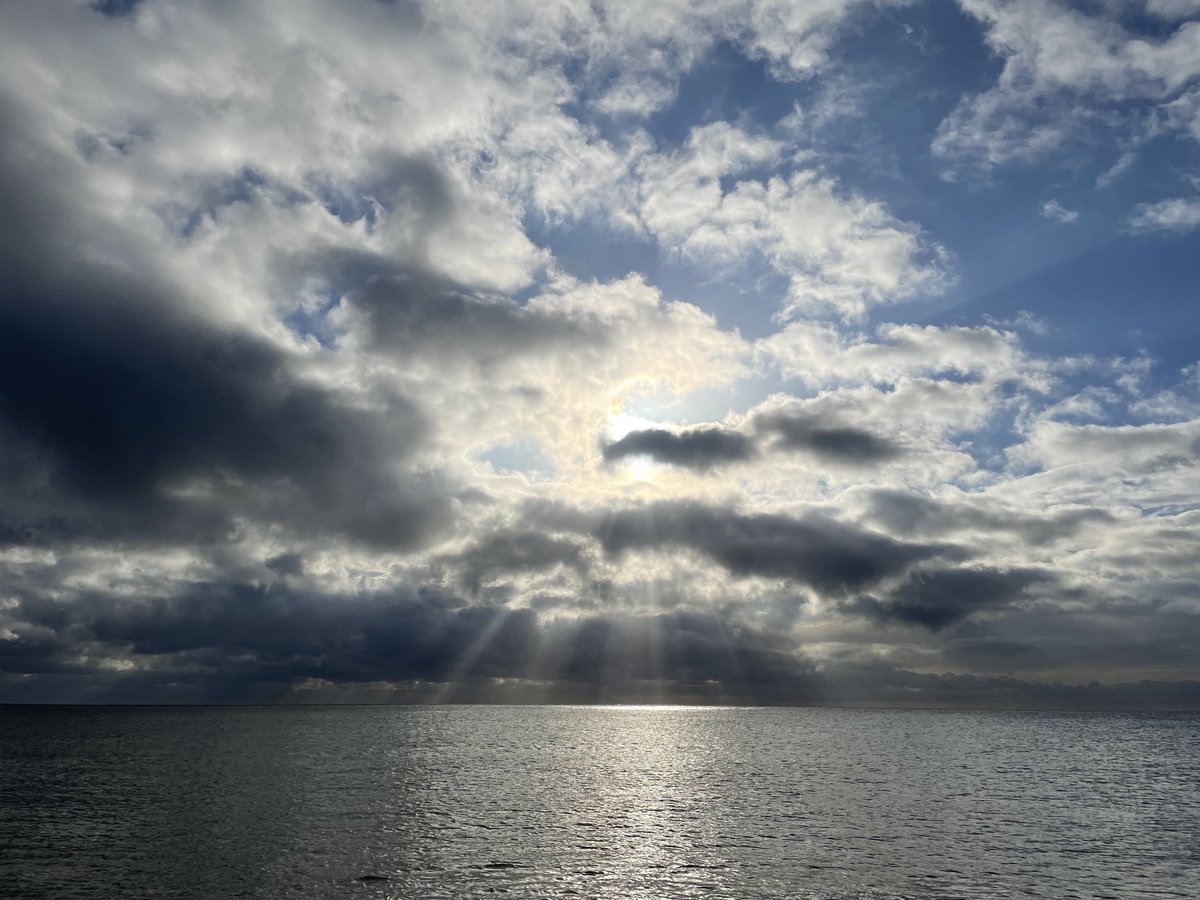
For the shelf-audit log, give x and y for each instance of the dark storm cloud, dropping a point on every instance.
(826, 439)
(515, 551)
(286, 565)
(213, 634)
(701, 448)
(245, 643)
(125, 416)
(898, 511)
(120, 404)
(938, 599)
(269, 631)
(814, 550)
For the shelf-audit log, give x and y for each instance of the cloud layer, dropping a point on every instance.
(428, 351)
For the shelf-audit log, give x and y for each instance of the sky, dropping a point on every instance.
(707, 351)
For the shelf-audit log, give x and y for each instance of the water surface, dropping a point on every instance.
(596, 802)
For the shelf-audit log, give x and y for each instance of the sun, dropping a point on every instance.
(640, 468)
(636, 468)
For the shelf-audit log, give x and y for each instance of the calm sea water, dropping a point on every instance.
(596, 802)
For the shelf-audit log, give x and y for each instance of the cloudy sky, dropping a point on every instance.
(708, 350)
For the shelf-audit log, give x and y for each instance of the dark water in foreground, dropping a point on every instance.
(596, 802)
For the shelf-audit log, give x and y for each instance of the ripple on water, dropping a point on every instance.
(594, 802)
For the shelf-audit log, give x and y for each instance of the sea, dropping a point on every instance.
(596, 802)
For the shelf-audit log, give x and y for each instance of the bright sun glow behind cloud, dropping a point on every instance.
(640, 469)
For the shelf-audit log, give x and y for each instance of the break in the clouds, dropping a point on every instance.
(730, 351)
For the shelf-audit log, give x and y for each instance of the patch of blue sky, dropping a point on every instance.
(1135, 18)
(1102, 289)
(726, 86)
(525, 458)
(743, 298)
(1124, 296)
(986, 446)
(246, 186)
(349, 208)
(115, 8)
(895, 80)
(712, 404)
(312, 322)
(591, 249)
(874, 115)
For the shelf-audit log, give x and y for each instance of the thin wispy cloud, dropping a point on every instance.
(1052, 209)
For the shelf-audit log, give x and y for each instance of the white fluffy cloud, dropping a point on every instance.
(1180, 214)
(1052, 209)
(1062, 67)
(820, 353)
(840, 252)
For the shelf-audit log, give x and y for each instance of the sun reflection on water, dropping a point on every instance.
(641, 773)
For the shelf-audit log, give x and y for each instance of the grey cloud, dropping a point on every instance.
(1073, 630)
(515, 551)
(412, 188)
(685, 649)
(827, 440)
(287, 565)
(122, 407)
(814, 550)
(212, 196)
(274, 631)
(816, 433)
(125, 416)
(214, 642)
(901, 512)
(412, 314)
(939, 598)
(889, 686)
(405, 183)
(402, 308)
(219, 637)
(116, 8)
(701, 448)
